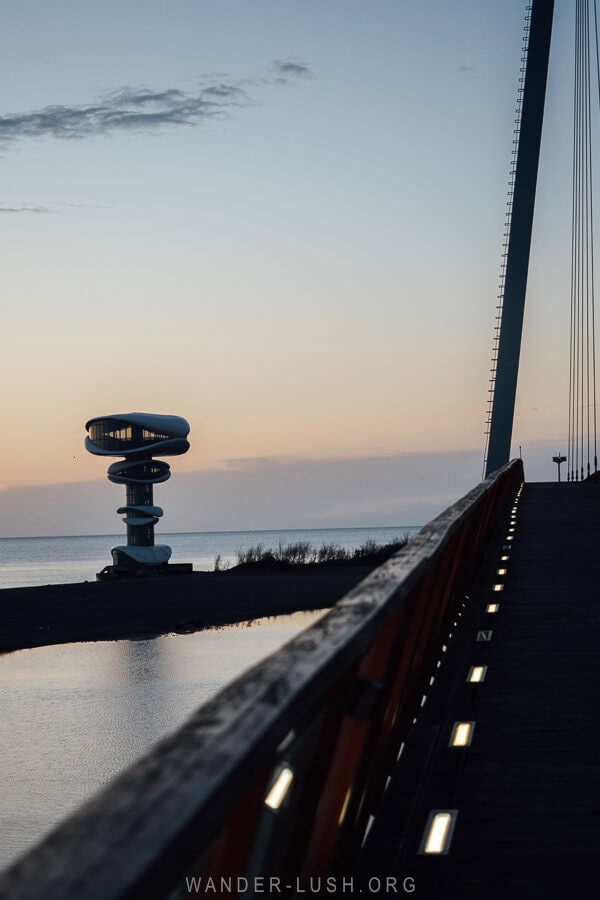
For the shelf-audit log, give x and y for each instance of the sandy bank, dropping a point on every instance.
(97, 611)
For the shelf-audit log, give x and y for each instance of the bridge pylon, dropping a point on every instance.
(519, 240)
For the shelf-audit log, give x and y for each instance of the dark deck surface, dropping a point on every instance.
(527, 790)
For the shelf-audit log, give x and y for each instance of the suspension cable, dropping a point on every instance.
(582, 438)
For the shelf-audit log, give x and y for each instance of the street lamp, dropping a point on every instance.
(558, 460)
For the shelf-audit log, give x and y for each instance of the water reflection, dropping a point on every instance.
(74, 715)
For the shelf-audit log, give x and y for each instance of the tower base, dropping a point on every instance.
(111, 573)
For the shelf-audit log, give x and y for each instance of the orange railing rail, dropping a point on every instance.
(327, 715)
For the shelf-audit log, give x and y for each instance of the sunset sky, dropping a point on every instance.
(282, 221)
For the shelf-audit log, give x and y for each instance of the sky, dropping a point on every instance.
(282, 221)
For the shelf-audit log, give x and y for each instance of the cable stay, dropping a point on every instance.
(582, 452)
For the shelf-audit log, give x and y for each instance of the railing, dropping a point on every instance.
(323, 720)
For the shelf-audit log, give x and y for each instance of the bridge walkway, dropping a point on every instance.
(526, 791)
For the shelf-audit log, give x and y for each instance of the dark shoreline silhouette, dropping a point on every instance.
(147, 607)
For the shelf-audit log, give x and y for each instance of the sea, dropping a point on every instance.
(25, 562)
(75, 715)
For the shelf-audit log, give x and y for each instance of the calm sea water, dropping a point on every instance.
(61, 560)
(75, 715)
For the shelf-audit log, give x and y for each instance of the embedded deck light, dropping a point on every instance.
(280, 787)
(477, 674)
(462, 734)
(493, 607)
(497, 587)
(438, 831)
(138, 437)
(501, 571)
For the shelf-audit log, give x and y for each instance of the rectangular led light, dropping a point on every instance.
(477, 674)
(501, 571)
(438, 831)
(504, 558)
(462, 734)
(344, 808)
(497, 587)
(493, 607)
(367, 830)
(276, 795)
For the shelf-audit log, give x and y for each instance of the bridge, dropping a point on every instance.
(436, 732)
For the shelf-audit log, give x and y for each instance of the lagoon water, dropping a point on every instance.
(75, 715)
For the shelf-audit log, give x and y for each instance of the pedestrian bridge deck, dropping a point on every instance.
(527, 790)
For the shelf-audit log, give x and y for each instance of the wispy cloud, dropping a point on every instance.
(289, 69)
(141, 109)
(127, 109)
(25, 208)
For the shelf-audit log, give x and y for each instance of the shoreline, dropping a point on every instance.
(148, 607)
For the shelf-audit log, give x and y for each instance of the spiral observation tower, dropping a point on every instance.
(138, 438)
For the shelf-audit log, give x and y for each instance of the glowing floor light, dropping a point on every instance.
(462, 734)
(278, 792)
(438, 831)
(501, 571)
(493, 607)
(477, 674)
(497, 587)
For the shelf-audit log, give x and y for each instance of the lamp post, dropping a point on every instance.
(558, 460)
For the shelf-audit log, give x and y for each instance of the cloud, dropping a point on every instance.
(25, 208)
(260, 493)
(140, 109)
(273, 492)
(287, 68)
(128, 109)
